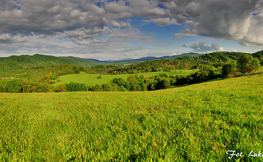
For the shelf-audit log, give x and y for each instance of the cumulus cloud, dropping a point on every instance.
(7, 39)
(115, 23)
(130, 35)
(201, 47)
(165, 21)
(147, 9)
(185, 33)
(220, 19)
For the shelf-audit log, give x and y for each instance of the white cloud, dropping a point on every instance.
(148, 21)
(201, 47)
(116, 24)
(8, 39)
(130, 35)
(185, 33)
(165, 21)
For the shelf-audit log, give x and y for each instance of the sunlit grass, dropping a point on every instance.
(199, 122)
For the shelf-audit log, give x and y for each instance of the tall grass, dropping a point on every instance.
(193, 123)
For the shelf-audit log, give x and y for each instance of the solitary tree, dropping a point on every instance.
(227, 70)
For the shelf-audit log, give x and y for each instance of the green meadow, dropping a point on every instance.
(91, 79)
(199, 122)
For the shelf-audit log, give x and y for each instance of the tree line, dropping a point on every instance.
(41, 79)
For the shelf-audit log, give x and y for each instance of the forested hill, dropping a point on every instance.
(37, 60)
(26, 61)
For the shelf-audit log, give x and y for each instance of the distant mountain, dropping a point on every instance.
(182, 55)
(82, 62)
(150, 58)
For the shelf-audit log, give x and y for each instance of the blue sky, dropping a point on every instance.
(114, 30)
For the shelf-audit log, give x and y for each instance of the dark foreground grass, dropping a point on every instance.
(192, 123)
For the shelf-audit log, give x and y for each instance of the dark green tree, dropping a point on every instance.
(3, 86)
(61, 87)
(261, 60)
(119, 81)
(107, 87)
(13, 86)
(246, 63)
(97, 87)
(143, 86)
(227, 70)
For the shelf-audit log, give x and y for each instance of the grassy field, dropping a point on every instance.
(91, 79)
(192, 123)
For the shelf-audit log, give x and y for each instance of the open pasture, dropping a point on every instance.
(199, 122)
(91, 79)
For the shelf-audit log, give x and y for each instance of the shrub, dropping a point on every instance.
(121, 88)
(3, 86)
(107, 87)
(180, 80)
(119, 81)
(172, 82)
(61, 87)
(246, 63)
(97, 88)
(115, 87)
(13, 86)
(152, 85)
(205, 73)
(143, 86)
(90, 88)
(166, 83)
(164, 75)
(261, 60)
(154, 69)
(76, 87)
(135, 87)
(163, 83)
(128, 85)
(132, 78)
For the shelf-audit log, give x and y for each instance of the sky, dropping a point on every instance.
(121, 29)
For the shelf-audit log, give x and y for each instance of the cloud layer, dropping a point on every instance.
(94, 26)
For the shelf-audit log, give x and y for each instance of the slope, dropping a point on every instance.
(191, 123)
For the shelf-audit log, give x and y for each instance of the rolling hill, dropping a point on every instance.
(37, 60)
(26, 61)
